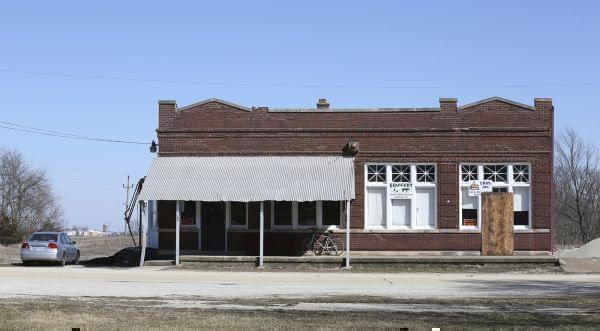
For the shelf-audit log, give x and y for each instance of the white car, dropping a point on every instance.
(49, 247)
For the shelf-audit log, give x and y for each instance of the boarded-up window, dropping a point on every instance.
(376, 201)
(425, 207)
(401, 212)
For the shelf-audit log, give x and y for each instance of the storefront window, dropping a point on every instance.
(376, 173)
(307, 213)
(425, 173)
(404, 199)
(282, 213)
(237, 213)
(401, 173)
(495, 173)
(514, 178)
(331, 212)
(188, 214)
(376, 206)
(469, 209)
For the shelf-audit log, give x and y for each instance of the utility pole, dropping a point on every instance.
(127, 187)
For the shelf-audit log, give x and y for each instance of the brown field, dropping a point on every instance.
(90, 247)
(119, 313)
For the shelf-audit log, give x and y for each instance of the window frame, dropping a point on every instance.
(228, 216)
(510, 184)
(413, 205)
(196, 216)
(295, 225)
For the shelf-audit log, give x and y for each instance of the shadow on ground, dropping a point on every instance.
(127, 257)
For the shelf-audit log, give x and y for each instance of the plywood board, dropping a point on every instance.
(497, 236)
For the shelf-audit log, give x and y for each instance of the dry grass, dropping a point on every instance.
(112, 313)
(90, 247)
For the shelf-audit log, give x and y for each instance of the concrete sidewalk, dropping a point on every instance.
(362, 261)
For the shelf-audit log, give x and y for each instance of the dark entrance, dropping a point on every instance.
(213, 226)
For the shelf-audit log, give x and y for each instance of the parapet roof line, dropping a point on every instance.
(350, 110)
(496, 98)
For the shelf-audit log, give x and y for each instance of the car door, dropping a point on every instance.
(72, 246)
(66, 245)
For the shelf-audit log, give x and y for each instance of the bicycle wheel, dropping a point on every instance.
(307, 245)
(335, 246)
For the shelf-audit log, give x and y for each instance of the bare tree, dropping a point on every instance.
(577, 187)
(27, 201)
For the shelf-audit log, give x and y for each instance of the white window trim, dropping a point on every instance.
(413, 205)
(295, 225)
(228, 217)
(509, 184)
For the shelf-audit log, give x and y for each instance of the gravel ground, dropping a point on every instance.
(159, 282)
(131, 298)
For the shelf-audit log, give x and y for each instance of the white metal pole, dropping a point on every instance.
(177, 223)
(262, 234)
(143, 228)
(347, 233)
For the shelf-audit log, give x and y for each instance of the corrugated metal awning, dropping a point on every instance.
(250, 178)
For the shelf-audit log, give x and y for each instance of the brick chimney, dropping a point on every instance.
(323, 104)
(543, 104)
(166, 112)
(448, 104)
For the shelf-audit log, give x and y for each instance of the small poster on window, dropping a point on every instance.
(479, 186)
(401, 191)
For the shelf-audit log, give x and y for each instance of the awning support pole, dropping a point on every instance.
(347, 234)
(143, 235)
(262, 234)
(177, 223)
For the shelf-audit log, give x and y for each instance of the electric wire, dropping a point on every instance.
(297, 85)
(28, 129)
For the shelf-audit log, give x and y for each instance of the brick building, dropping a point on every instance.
(408, 190)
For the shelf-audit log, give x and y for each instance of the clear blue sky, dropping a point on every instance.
(368, 43)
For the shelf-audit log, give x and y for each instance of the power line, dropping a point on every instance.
(29, 129)
(192, 82)
(74, 168)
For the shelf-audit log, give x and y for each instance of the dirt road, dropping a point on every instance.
(106, 298)
(162, 282)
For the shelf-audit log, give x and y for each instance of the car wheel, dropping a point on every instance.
(63, 260)
(76, 261)
(26, 263)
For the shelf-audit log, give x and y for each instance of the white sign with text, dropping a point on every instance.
(479, 186)
(401, 191)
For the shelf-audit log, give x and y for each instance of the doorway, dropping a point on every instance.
(213, 226)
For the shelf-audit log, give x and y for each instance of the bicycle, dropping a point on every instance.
(322, 243)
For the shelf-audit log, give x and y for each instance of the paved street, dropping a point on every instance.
(86, 297)
(164, 282)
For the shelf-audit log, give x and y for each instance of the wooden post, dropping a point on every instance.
(262, 235)
(143, 235)
(497, 236)
(347, 234)
(177, 224)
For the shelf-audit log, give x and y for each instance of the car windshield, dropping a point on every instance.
(43, 237)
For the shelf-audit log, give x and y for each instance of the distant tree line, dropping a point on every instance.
(576, 189)
(27, 200)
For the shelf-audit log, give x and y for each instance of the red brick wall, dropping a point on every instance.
(495, 131)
